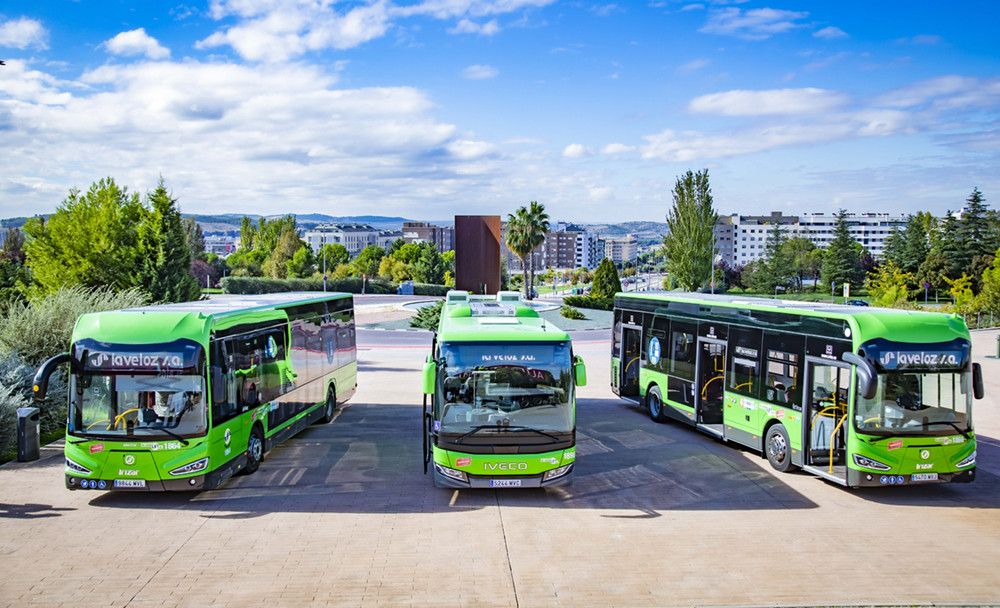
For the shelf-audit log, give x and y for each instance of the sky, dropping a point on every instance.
(425, 109)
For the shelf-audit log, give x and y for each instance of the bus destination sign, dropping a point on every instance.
(933, 356)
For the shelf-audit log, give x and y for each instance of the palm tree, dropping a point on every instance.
(526, 229)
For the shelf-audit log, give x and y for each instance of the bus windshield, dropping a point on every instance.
(917, 403)
(119, 405)
(504, 384)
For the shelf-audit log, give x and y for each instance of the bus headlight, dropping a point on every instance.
(868, 463)
(82, 470)
(967, 462)
(557, 472)
(459, 475)
(194, 467)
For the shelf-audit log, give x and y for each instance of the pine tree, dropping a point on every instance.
(689, 243)
(606, 281)
(165, 272)
(841, 262)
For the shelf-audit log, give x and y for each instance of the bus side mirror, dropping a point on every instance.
(867, 376)
(977, 381)
(218, 384)
(40, 385)
(579, 371)
(430, 375)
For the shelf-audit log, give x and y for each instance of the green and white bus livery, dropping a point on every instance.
(501, 382)
(183, 396)
(857, 395)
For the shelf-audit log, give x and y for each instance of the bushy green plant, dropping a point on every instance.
(428, 317)
(259, 285)
(606, 281)
(43, 327)
(571, 313)
(590, 302)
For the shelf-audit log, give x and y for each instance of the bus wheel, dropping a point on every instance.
(654, 403)
(255, 450)
(331, 404)
(777, 449)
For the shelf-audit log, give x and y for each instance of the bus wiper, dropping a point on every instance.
(167, 431)
(504, 428)
(955, 426)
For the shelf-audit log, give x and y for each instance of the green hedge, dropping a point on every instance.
(426, 289)
(589, 302)
(258, 285)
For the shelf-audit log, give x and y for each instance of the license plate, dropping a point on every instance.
(505, 483)
(130, 483)
(924, 477)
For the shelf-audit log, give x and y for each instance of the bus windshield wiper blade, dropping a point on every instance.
(505, 428)
(528, 428)
(475, 430)
(955, 426)
(167, 431)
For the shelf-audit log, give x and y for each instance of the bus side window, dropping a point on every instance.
(227, 409)
(682, 350)
(781, 381)
(745, 358)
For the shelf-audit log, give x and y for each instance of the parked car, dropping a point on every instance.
(856, 302)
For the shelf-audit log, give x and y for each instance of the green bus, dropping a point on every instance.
(859, 396)
(501, 382)
(183, 396)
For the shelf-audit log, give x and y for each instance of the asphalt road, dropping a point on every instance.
(658, 515)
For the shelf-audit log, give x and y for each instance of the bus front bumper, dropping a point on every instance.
(868, 479)
(505, 481)
(75, 482)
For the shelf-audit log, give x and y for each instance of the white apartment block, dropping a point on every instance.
(354, 237)
(620, 250)
(741, 239)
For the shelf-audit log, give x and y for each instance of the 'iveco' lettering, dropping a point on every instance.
(507, 466)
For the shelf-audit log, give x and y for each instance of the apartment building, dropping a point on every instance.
(566, 247)
(354, 237)
(741, 239)
(443, 237)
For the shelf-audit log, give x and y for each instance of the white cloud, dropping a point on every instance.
(830, 33)
(136, 42)
(22, 33)
(280, 30)
(922, 39)
(616, 148)
(753, 24)
(480, 72)
(694, 65)
(777, 101)
(577, 151)
(470, 27)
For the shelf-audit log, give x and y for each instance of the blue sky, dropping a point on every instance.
(430, 108)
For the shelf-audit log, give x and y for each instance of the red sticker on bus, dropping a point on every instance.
(97, 447)
(463, 462)
(893, 445)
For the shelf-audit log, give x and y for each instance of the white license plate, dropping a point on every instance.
(130, 483)
(505, 483)
(924, 477)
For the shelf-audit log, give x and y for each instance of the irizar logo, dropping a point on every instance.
(507, 466)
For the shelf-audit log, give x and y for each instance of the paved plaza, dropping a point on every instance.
(658, 515)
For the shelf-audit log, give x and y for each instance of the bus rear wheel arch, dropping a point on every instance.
(654, 404)
(777, 448)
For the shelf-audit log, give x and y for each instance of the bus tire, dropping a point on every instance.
(331, 404)
(654, 404)
(255, 450)
(778, 450)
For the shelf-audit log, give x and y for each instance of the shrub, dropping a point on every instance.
(428, 317)
(571, 313)
(606, 281)
(590, 302)
(427, 289)
(43, 327)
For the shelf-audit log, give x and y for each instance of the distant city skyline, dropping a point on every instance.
(427, 109)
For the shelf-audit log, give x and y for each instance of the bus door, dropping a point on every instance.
(824, 417)
(711, 371)
(628, 382)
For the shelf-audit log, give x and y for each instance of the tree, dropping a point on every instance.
(333, 255)
(429, 267)
(915, 245)
(606, 282)
(91, 240)
(973, 234)
(526, 230)
(689, 243)
(284, 252)
(800, 254)
(165, 269)
(367, 261)
(841, 262)
(989, 297)
(195, 237)
(889, 286)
